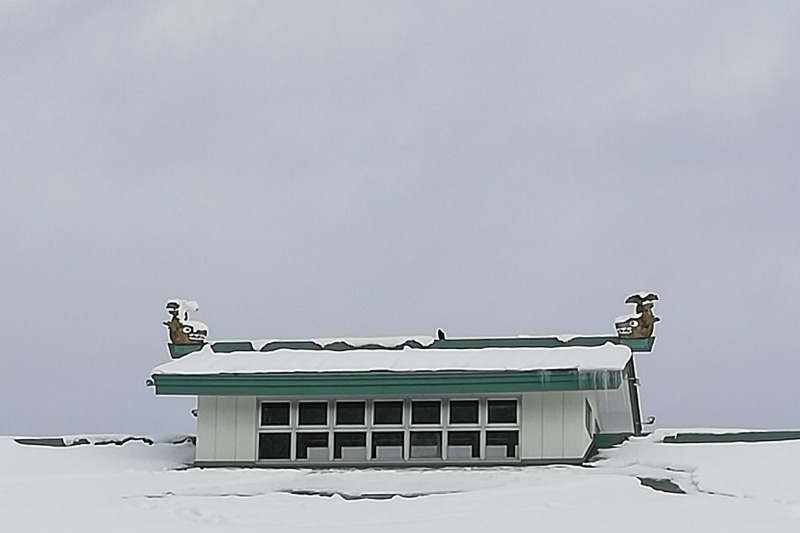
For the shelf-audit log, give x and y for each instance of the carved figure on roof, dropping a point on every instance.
(181, 329)
(641, 323)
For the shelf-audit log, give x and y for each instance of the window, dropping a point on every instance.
(351, 446)
(387, 445)
(426, 444)
(312, 446)
(501, 444)
(388, 413)
(502, 411)
(275, 414)
(387, 431)
(464, 411)
(274, 445)
(350, 413)
(313, 414)
(426, 412)
(463, 445)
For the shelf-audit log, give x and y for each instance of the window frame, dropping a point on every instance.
(444, 427)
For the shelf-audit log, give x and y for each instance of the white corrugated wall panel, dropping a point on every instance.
(576, 439)
(552, 425)
(226, 429)
(206, 428)
(246, 428)
(531, 445)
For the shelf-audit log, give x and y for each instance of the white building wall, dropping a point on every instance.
(613, 409)
(246, 421)
(226, 428)
(206, 428)
(575, 437)
(553, 426)
(531, 430)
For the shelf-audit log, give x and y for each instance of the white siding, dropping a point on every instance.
(553, 425)
(246, 428)
(226, 428)
(206, 428)
(576, 439)
(531, 445)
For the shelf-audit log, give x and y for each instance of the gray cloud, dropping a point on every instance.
(361, 168)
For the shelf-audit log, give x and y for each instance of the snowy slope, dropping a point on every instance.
(141, 487)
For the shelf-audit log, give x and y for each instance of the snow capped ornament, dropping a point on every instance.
(181, 329)
(640, 324)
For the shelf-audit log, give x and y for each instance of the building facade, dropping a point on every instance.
(405, 401)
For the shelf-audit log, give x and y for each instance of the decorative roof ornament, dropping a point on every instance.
(181, 329)
(640, 324)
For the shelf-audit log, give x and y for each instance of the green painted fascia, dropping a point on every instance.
(383, 383)
(742, 436)
(603, 441)
(177, 351)
(636, 345)
(639, 345)
(232, 346)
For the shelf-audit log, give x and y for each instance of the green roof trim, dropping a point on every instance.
(229, 347)
(604, 441)
(741, 436)
(381, 383)
(636, 345)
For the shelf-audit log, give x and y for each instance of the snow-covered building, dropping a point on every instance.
(404, 401)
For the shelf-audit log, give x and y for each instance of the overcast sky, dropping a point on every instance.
(322, 169)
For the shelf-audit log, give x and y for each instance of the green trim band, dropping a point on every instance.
(385, 383)
(742, 436)
(604, 441)
(177, 351)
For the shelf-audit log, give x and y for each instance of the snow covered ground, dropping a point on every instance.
(141, 487)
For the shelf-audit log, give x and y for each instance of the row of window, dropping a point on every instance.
(388, 413)
(388, 445)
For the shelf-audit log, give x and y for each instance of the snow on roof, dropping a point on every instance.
(386, 342)
(205, 361)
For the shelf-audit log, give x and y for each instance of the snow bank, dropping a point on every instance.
(139, 487)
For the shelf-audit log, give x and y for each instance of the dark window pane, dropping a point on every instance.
(355, 445)
(274, 445)
(387, 445)
(312, 446)
(463, 445)
(388, 412)
(497, 440)
(426, 444)
(350, 413)
(275, 414)
(464, 412)
(502, 411)
(313, 414)
(426, 412)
